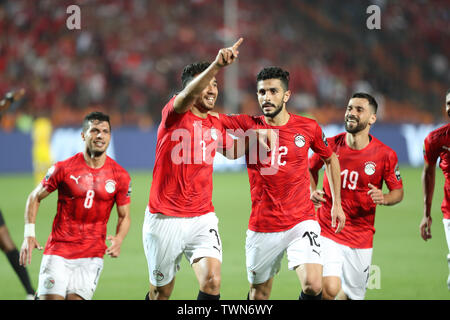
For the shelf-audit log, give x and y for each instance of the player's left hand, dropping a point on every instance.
(376, 195)
(114, 249)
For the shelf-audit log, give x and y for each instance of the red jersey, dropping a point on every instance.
(85, 199)
(437, 145)
(182, 175)
(373, 164)
(279, 184)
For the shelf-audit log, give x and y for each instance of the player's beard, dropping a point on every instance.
(94, 153)
(274, 113)
(359, 125)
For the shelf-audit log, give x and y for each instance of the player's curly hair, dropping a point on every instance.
(274, 73)
(369, 98)
(191, 70)
(96, 115)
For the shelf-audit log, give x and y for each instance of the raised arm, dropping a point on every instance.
(333, 169)
(428, 181)
(225, 57)
(31, 209)
(123, 225)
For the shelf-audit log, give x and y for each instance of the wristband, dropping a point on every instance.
(29, 230)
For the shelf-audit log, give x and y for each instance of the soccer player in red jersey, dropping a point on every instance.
(365, 163)
(437, 145)
(88, 184)
(282, 217)
(180, 217)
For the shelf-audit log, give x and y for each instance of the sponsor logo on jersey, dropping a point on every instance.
(129, 190)
(110, 186)
(299, 140)
(76, 179)
(446, 148)
(369, 168)
(49, 282)
(397, 172)
(324, 139)
(49, 173)
(158, 275)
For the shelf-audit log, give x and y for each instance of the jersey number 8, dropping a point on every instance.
(89, 199)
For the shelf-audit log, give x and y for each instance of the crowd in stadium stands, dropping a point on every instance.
(127, 58)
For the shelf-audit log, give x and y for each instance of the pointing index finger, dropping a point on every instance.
(237, 44)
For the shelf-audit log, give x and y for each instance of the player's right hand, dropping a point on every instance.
(337, 213)
(425, 228)
(227, 56)
(29, 243)
(317, 198)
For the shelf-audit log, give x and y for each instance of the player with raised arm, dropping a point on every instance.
(282, 217)
(365, 163)
(437, 145)
(89, 184)
(180, 217)
(7, 245)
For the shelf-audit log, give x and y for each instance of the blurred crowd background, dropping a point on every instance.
(128, 56)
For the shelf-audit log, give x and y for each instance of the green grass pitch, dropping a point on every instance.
(409, 268)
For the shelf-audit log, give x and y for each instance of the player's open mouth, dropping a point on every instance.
(352, 121)
(210, 99)
(99, 144)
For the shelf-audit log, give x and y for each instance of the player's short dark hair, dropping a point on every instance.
(191, 70)
(368, 97)
(274, 73)
(96, 115)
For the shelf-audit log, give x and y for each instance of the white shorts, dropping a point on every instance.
(63, 276)
(265, 250)
(350, 264)
(447, 233)
(166, 238)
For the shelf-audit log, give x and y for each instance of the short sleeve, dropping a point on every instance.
(392, 172)
(169, 116)
(53, 177)
(430, 155)
(320, 144)
(123, 195)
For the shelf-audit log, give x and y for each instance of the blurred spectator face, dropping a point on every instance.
(358, 115)
(447, 104)
(271, 96)
(207, 99)
(97, 137)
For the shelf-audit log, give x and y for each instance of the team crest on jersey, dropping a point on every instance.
(369, 168)
(299, 140)
(49, 173)
(397, 172)
(110, 186)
